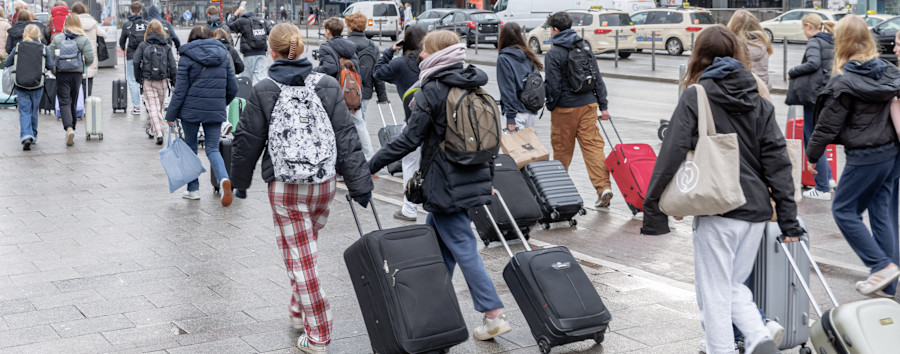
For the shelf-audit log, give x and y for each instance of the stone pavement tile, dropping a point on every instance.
(67, 260)
(108, 268)
(259, 261)
(146, 335)
(44, 276)
(122, 289)
(283, 339)
(15, 306)
(12, 292)
(92, 325)
(114, 306)
(219, 320)
(183, 294)
(662, 333)
(164, 315)
(245, 301)
(21, 336)
(268, 313)
(93, 343)
(213, 334)
(61, 299)
(17, 266)
(646, 315)
(42, 317)
(230, 345)
(151, 275)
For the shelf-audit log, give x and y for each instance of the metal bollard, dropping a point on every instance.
(682, 69)
(784, 68)
(692, 41)
(476, 38)
(380, 34)
(617, 48)
(582, 33)
(397, 29)
(307, 28)
(653, 50)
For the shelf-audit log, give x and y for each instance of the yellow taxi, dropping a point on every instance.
(599, 27)
(670, 28)
(789, 25)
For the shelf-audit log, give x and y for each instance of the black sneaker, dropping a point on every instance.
(159, 139)
(26, 145)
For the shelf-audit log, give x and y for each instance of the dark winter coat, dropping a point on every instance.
(813, 73)
(242, 25)
(205, 83)
(403, 72)
(367, 52)
(736, 108)
(153, 14)
(448, 187)
(14, 34)
(235, 56)
(854, 110)
(512, 67)
(330, 53)
(157, 39)
(214, 22)
(253, 129)
(127, 28)
(559, 93)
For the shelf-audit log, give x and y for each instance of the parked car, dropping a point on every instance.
(599, 28)
(672, 28)
(874, 19)
(884, 34)
(384, 17)
(532, 13)
(427, 19)
(788, 24)
(467, 23)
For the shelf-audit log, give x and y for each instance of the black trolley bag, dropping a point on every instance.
(554, 191)
(509, 181)
(556, 297)
(388, 133)
(245, 87)
(404, 290)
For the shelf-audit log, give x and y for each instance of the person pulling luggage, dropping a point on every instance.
(29, 58)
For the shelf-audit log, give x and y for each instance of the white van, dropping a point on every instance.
(533, 13)
(383, 17)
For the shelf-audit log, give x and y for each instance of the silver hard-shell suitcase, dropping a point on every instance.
(93, 117)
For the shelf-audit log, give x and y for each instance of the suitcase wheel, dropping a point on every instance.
(554, 215)
(805, 350)
(544, 345)
(87, 137)
(573, 222)
(545, 226)
(216, 191)
(634, 210)
(661, 132)
(582, 212)
(598, 337)
(101, 136)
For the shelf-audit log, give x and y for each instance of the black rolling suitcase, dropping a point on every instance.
(225, 142)
(245, 87)
(48, 99)
(556, 297)
(120, 95)
(554, 191)
(404, 290)
(387, 134)
(509, 181)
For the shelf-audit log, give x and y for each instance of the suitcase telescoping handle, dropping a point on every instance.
(803, 283)
(512, 220)
(356, 218)
(381, 113)
(600, 123)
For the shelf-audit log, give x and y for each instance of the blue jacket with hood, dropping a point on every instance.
(205, 83)
(512, 67)
(556, 82)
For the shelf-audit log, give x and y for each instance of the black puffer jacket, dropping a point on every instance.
(236, 61)
(736, 108)
(332, 51)
(214, 22)
(253, 130)
(157, 39)
(14, 34)
(854, 110)
(126, 32)
(367, 52)
(242, 25)
(559, 93)
(448, 187)
(812, 75)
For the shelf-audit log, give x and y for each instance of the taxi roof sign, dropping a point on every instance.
(686, 5)
(871, 12)
(596, 7)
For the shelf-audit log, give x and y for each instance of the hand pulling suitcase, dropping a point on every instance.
(119, 95)
(556, 297)
(555, 192)
(795, 131)
(225, 143)
(509, 181)
(777, 292)
(387, 134)
(404, 290)
(861, 327)
(245, 87)
(631, 165)
(93, 117)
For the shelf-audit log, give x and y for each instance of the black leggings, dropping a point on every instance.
(67, 85)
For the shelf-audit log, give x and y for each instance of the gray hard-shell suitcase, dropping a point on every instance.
(554, 191)
(93, 117)
(777, 291)
(387, 134)
(404, 290)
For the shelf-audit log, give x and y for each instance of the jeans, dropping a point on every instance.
(255, 67)
(873, 188)
(133, 87)
(458, 246)
(212, 133)
(29, 102)
(362, 130)
(67, 86)
(823, 177)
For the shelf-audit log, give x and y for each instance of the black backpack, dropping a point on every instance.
(533, 94)
(155, 62)
(136, 33)
(582, 67)
(259, 33)
(28, 70)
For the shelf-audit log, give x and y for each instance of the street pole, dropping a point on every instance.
(692, 41)
(784, 67)
(653, 50)
(380, 33)
(476, 38)
(682, 69)
(617, 48)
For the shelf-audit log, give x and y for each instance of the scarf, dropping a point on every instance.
(451, 55)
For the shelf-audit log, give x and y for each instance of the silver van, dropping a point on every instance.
(383, 17)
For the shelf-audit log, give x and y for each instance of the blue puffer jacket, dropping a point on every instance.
(205, 83)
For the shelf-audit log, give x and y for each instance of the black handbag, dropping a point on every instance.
(102, 51)
(803, 90)
(414, 191)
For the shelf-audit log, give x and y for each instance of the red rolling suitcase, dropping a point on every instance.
(631, 165)
(795, 131)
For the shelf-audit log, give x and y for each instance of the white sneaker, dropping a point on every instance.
(702, 347)
(297, 323)
(776, 331)
(832, 184)
(225, 189)
(305, 346)
(226, 129)
(192, 195)
(878, 280)
(491, 328)
(603, 199)
(815, 194)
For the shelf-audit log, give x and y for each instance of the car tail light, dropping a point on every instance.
(501, 23)
(694, 29)
(634, 30)
(602, 31)
(371, 23)
(471, 24)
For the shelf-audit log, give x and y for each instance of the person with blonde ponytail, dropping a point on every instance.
(853, 111)
(300, 210)
(69, 82)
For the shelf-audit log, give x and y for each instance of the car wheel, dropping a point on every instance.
(771, 36)
(535, 45)
(496, 45)
(674, 46)
(394, 38)
(624, 55)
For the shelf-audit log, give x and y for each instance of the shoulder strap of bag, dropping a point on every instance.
(705, 123)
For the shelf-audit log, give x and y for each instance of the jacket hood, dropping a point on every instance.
(463, 77)
(343, 46)
(873, 81)
(87, 22)
(156, 38)
(873, 68)
(827, 37)
(565, 39)
(20, 25)
(225, 41)
(135, 17)
(70, 34)
(515, 54)
(153, 13)
(290, 72)
(207, 52)
(721, 67)
(733, 88)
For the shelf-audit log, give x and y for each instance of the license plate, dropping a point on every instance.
(490, 38)
(620, 38)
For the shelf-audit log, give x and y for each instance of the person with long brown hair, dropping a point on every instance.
(748, 30)
(69, 82)
(853, 110)
(300, 210)
(514, 63)
(725, 246)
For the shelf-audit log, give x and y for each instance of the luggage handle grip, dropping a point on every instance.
(512, 220)
(803, 283)
(381, 113)
(356, 218)
(600, 123)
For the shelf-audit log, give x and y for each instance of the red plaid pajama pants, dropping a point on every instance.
(154, 95)
(299, 211)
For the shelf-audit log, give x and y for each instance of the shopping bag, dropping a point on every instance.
(524, 147)
(708, 182)
(180, 163)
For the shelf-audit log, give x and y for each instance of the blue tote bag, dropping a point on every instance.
(181, 164)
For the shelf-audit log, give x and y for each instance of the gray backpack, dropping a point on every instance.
(69, 59)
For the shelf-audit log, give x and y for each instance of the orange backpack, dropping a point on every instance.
(350, 84)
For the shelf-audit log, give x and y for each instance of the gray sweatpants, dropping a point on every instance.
(724, 253)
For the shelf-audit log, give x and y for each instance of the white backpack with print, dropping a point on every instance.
(301, 140)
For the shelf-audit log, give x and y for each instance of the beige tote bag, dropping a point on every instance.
(708, 182)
